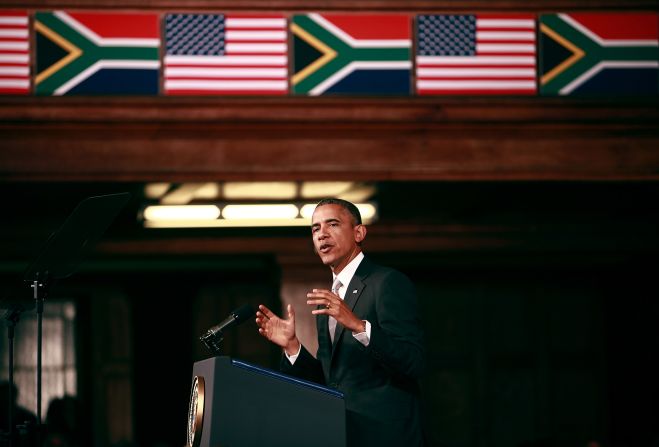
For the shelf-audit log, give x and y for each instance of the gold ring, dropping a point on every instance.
(329, 305)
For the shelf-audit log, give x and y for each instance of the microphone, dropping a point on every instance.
(214, 336)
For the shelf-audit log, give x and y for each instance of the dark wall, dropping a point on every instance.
(526, 352)
(539, 307)
(170, 311)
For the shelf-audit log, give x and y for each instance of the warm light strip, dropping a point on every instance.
(318, 190)
(234, 216)
(181, 212)
(235, 223)
(260, 190)
(260, 212)
(156, 190)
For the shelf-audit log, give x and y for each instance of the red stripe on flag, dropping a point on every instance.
(13, 13)
(189, 92)
(217, 78)
(622, 26)
(255, 16)
(118, 25)
(13, 91)
(375, 26)
(474, 91)
(508, 16)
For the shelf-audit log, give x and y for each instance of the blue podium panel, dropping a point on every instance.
(246, 405)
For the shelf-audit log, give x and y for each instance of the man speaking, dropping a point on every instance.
(370, 343)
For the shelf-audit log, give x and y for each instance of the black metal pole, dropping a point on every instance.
(39, 298)
(10, 335)
(12, 316)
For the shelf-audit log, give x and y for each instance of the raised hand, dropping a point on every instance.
(279, 331)
(332, 305)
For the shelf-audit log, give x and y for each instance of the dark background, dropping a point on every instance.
(528, 225)
(538, 299)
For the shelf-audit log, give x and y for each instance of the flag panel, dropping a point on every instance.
(14, 53)
(96, 53)
(337, 54)
(476, 54)
(599, 54)
(217, 54)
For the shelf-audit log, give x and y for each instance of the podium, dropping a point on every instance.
(235, 404)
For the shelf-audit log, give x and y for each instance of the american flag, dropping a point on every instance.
(467, 54)
(14, 53)
(225, 55)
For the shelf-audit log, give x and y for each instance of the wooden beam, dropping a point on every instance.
(202, 139)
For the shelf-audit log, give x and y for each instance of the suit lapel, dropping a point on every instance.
(353, 292)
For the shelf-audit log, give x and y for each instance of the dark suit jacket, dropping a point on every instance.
(379, 381)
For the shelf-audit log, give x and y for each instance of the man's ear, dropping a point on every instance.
(360, 233)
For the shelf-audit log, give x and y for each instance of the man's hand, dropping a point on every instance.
(280, 332)
(332, 305)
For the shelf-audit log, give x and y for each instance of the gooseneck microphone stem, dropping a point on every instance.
(212, 342)
(214, 336)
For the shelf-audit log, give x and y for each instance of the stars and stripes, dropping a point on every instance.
(14, 53)
(226, 55)
(474, 54)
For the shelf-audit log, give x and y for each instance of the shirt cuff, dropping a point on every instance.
(293, 358)
(364, 337)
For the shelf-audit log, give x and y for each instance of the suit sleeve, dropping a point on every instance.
(306, 367)
(396, 337)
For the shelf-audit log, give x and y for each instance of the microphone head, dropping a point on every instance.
(243, 313)
(214, 336)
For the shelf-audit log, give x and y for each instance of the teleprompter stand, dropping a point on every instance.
(60, 258)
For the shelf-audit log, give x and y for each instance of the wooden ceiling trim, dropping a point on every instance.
(419, 156)
(415, 111)
(201, 139)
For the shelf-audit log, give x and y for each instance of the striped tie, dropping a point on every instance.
(332, 321)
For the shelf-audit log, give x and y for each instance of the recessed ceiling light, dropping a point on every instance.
(277, 211)
(319, 190)
(181, 212)
(156, 190)
(260, 190)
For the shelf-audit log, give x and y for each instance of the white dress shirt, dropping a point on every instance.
(345, 276)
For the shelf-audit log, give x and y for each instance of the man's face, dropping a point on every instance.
(335, 236)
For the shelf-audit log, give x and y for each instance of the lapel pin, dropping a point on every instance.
(354, 291)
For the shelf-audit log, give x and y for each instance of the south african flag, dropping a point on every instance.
(599, 54)
(351, 54)
(96, 53)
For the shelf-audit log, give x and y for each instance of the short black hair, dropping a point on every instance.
(348, 206)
